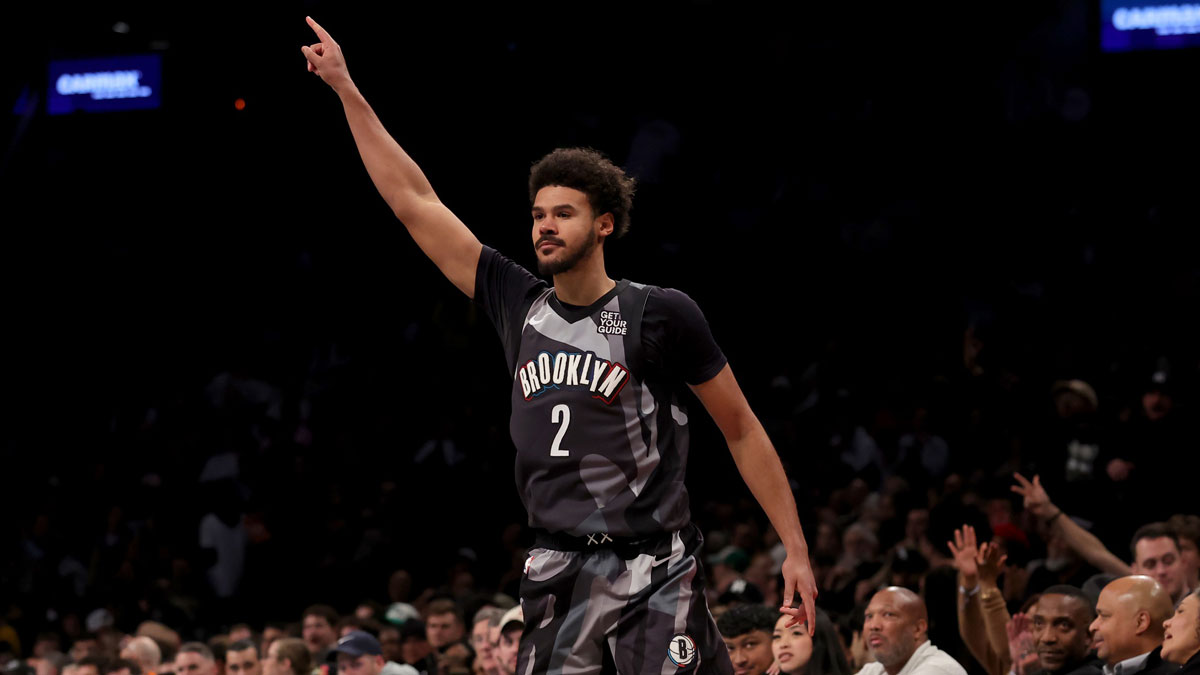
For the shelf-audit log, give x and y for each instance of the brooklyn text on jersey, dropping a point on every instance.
(572, 369)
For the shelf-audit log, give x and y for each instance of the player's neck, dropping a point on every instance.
(584, 283)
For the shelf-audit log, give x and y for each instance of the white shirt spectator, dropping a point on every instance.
(926, 660)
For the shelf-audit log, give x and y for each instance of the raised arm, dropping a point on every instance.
(972, 624)
(761, 469)
(437, 231)
(1086, 544)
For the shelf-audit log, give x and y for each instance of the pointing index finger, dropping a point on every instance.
(321, 32)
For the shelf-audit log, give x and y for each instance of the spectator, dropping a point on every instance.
(94, 665)
(288, 656)
(85, 647)
(481, 625)
(443, 623)
(747, 630)
(168, 640)
(796, 653)
(145, 653)
(195, 658)
(1156, 553)
(271, 633)
(241, 658)
(895, 626)
(982, 615)
(240, 631)
(47, 643)
(415, 647)
(49, 663)
(219, 644)
(456, 659)
(1187, 531)
(359, 653)
(1181, 639)
(511, 625)
(318, 632)
(390, 642)
(1155, 547)
(122, 667)
(1128, 630)
(1060, 621)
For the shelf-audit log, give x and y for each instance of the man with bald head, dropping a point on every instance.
(895, 628)
(144, 652)
(1128, 630)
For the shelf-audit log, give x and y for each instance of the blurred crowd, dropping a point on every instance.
(975, 514)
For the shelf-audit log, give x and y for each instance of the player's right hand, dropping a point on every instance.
(325, 58)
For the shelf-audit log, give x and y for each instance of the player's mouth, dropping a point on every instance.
(548, 243)
(784, 657)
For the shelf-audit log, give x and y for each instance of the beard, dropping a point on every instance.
(569, 259)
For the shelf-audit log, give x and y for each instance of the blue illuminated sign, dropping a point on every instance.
(105, 84)
(1128, 24)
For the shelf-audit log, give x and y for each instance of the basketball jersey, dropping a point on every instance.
(600, 432)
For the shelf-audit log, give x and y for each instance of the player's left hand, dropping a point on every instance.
(798, 578)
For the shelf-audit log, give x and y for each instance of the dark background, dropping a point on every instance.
(846, 187)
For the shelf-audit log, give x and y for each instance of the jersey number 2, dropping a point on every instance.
(560, 414)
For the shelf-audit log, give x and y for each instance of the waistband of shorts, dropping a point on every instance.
(561, 541)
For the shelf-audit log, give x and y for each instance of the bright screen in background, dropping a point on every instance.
(105, 84)
(1129, 24)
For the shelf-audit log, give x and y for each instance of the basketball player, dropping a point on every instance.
(613, 580)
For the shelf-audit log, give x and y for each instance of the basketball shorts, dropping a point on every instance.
(612, 609)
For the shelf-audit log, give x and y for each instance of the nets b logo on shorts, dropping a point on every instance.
(682, 650)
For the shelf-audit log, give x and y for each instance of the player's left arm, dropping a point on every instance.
(760, 467)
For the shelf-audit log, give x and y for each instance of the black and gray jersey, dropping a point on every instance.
(597, 420)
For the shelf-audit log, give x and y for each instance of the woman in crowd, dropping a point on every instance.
(796, 653)
(1181, 643)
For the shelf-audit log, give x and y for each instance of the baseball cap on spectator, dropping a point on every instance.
(1079, 388)
(1011, 532)
(98, 620)
(731, 556)
(514, 615)
(741, 591)
(357, 643)
(400, 613)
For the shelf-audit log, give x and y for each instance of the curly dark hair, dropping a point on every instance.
(608, 188)
(741, 619)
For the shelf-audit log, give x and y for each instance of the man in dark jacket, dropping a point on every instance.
(1061, 636)
(1128, 630)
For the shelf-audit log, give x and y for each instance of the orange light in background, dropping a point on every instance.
(240, 104)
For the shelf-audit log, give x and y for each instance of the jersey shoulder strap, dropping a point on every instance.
(632, 303)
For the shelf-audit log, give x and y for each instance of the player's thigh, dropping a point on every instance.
(668, 629)
(547, 592)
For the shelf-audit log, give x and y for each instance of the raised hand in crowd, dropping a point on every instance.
(1020, 644)
(1086, 544)
(965, 555)
(990, 562)
(1037, 501)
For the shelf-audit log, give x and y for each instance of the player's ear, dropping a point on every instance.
(606, 224)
